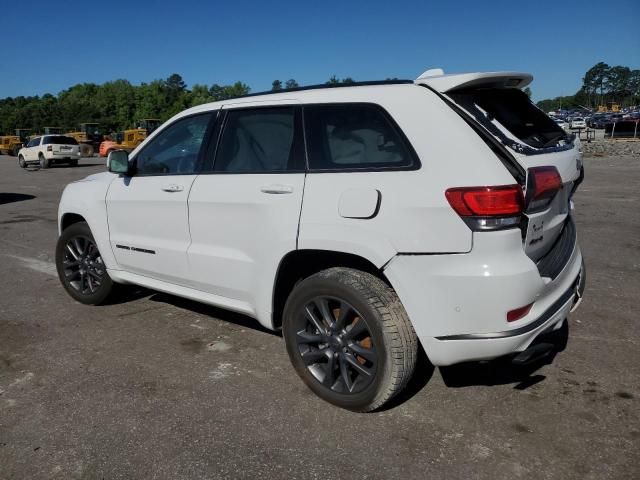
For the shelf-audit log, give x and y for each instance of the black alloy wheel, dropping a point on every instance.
(80, 266)
(335, 343)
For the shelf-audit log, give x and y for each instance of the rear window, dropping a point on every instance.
(59, 140)
(511, 109)
(354, 136)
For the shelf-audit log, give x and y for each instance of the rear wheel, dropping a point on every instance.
(15, 150)
(22, 162)
(80, 267)
(349, 338)
(44, 163)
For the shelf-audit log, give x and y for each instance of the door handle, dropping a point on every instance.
(172, 187)
(277, 189)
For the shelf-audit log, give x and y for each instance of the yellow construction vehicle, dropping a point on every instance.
(52, 130)
(88, 137)
(129, 139)
(610, 107)
(11, 144)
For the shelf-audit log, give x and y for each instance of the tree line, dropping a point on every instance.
(601, 85)
(118, 104)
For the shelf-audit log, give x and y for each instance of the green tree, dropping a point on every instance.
(276, 86)
(291, 83)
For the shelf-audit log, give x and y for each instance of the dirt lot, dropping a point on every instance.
(158, 387)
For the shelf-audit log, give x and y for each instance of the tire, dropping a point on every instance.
(44, 163)
(15, 150)
(21, 162)
(80, 267)
(371, 332)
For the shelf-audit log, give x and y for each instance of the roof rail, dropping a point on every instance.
(325, 85)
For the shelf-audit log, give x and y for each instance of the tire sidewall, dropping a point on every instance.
(22, 162)
(317, 286)
(43, 161)
(80, 229)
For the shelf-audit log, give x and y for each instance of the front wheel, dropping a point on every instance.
(22, 162)
(349, 338)
(80, 267)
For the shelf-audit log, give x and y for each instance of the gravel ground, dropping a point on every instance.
(159, 387)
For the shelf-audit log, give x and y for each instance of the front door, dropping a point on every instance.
(244, 211)
(147, 213)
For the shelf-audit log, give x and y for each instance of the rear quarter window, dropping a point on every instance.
(355, 136)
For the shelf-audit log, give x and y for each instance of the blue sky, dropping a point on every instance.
(256, 42)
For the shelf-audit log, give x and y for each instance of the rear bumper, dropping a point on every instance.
(458, 303)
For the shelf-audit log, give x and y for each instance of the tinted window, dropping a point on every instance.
(175, 150)
(34, 143)
(59, 140)
(258, 140)
(353, 136)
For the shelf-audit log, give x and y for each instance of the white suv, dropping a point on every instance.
(361, 220)
(49, 149)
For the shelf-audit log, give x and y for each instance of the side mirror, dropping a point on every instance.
(118, 162)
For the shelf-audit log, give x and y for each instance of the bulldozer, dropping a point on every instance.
(11, 144)
(129, 139)
(88, 137)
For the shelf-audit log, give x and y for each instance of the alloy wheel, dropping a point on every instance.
(335, 344)
(83, 267)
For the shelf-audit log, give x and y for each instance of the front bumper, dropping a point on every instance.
(458, 303)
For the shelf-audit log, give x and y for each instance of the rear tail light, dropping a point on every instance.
(542, 185)
(518, 313)
(488, 208)
(50, 148)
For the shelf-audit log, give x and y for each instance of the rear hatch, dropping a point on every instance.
(63, 145)
(530, 140)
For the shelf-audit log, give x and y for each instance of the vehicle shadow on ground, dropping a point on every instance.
(14, 197)
(502, 371)
(210, 311)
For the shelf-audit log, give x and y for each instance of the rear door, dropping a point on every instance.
(244, 211)
(147, 213)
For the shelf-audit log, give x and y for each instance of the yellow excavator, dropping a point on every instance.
(11, 144)
(88, 137)
(129, 139)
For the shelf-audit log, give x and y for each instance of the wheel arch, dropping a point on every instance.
(300, 264)
(69, 219)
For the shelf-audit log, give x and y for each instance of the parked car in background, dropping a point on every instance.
(561, 123)
(577, 122)
(435, 212)
(48, 150)
(599, 121)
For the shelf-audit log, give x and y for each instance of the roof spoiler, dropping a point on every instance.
(439, 81)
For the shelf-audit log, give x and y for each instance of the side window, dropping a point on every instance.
(175, 150)
(34, 142)
(46, 140)
(352, 136)
(259, 140)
